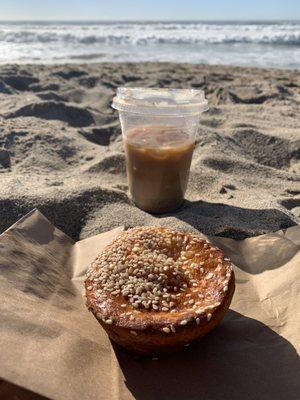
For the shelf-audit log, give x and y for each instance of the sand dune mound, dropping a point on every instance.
(19, 82)
(73, 116)
(267, 150)
(113, 164)
(102, 135)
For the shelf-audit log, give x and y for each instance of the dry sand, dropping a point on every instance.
(61, 149)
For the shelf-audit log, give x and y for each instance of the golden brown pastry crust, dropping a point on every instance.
(156, 290)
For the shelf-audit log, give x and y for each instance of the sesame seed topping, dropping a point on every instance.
(166, 329)
(157, 270)
(134, 333)
(208, 317)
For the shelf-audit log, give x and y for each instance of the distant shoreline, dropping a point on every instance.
(150, 63)
(157, 21)
(266, 44)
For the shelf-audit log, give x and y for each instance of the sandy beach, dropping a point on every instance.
(61, 149)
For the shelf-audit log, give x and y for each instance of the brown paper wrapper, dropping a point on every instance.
(52, 347)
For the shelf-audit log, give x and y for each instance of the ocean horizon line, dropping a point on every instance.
(149, 21)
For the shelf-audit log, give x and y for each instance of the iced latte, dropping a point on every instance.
(159, 128)
(158, 160)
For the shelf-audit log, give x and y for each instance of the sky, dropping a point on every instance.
(149, 9)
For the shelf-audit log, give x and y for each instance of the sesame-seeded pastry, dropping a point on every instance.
(157, 290)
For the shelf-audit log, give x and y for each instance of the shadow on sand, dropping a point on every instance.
(230, 221)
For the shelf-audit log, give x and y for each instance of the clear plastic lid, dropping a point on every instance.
(160, 101)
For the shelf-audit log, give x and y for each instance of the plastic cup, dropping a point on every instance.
(159, 128)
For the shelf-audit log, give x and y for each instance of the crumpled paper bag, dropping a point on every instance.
(51, 346)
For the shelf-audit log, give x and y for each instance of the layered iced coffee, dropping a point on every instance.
(158, 160)
(159, 128)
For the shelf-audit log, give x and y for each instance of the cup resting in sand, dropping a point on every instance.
(159, 127)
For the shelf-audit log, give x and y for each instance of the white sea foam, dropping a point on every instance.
(276, 44)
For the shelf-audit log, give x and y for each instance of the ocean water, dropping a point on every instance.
(263, 44)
